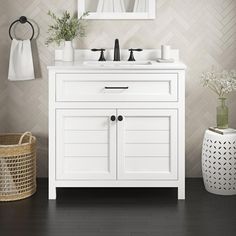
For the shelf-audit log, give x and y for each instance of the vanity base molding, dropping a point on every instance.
(116, 128)
(118, 184)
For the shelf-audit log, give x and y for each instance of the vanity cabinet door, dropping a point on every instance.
(85, 144)
(147, 144)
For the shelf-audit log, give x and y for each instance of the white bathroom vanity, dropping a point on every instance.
(117, 124)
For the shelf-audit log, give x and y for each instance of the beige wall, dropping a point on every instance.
(204, 31)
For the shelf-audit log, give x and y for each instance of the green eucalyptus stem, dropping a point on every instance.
(65, 28)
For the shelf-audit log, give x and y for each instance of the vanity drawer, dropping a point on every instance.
(117, 87)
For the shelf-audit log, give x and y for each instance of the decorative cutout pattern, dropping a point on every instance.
(219, 163)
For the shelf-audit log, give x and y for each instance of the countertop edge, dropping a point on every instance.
(80, 66)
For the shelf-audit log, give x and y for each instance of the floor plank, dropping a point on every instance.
(120, 212)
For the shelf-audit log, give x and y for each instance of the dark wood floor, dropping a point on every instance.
(120, 212)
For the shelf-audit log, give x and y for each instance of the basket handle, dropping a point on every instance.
(23, 135)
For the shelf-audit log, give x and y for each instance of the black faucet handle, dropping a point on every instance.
(132, 50)
(101, 58)
(136, 49)
(97, 49)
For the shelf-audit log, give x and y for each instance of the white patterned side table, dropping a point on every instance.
(219, 163)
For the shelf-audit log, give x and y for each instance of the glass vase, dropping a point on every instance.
(222, 112)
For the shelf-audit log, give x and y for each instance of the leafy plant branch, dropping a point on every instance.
(65, 28)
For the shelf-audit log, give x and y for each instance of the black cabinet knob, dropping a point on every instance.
(113, 118)
(120, 118)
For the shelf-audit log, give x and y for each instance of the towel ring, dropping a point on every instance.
(22, 20)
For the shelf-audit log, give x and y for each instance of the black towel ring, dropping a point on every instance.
(22, 20)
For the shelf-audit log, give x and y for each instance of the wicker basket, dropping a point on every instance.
(17, 166)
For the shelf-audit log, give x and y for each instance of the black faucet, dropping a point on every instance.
(117, 50)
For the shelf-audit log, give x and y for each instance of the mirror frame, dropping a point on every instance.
(151, 14)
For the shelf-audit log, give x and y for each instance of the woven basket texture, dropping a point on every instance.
(17, 166)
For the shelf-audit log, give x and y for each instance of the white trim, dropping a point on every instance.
(52, 138)
(150, 15)
(117, 183)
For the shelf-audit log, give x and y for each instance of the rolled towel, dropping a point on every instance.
(21, 61)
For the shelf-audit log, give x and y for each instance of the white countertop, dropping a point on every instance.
(79, 65)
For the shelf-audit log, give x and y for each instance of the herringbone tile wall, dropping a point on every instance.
(204, 31)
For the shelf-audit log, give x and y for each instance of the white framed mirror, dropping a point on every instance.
(117, 9)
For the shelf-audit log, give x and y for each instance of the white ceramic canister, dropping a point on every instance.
(68, 51)
(165, 52)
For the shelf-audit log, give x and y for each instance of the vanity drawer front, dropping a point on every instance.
(117, 87)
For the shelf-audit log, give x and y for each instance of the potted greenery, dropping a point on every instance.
(65, 29)
(221, 83)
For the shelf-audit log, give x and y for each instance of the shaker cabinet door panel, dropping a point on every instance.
(147, 144)
(85, 144)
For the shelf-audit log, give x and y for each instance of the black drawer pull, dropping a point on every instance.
(125, 87)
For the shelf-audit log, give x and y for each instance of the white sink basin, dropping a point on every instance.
(117, 63)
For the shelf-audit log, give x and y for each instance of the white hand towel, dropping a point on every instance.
(140, 6)
(21, 61)
(111, 6)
